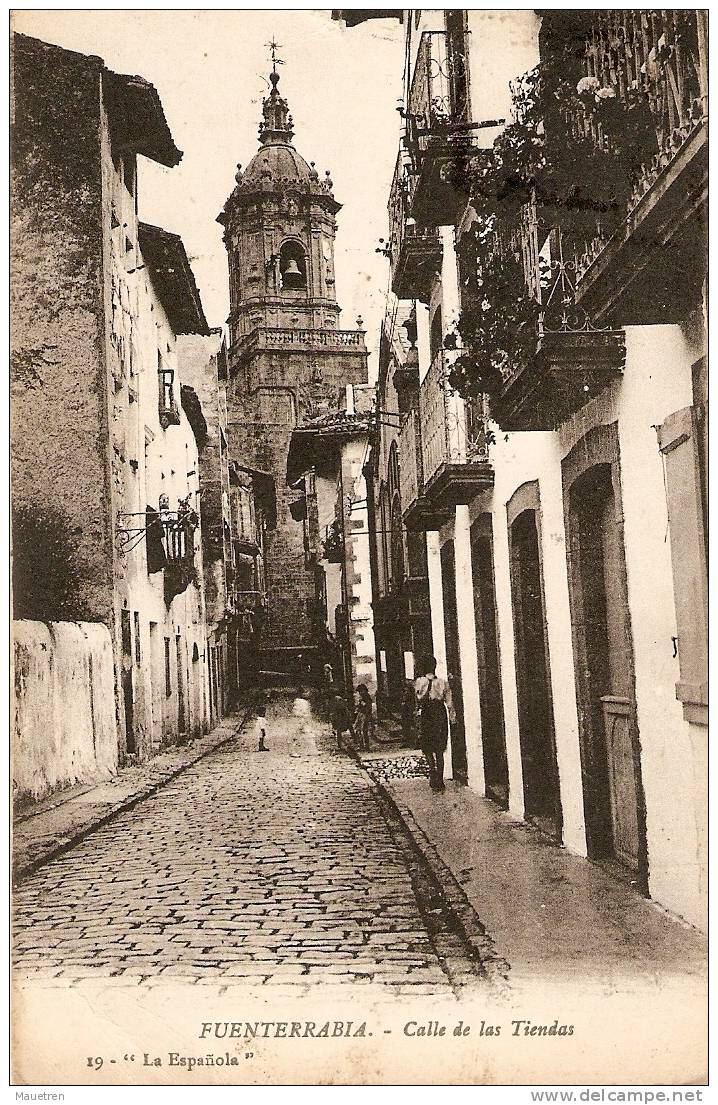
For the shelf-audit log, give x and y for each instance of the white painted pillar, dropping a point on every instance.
(423, 340)
(504, 616)
(436, 603)
(467, 650)
(450, 300)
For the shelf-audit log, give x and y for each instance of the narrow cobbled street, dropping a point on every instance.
(249, 868)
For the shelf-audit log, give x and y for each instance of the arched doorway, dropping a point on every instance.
(603, 654)
(542, 798)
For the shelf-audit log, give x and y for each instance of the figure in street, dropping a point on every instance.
(341, 720)
(435, 709)
(364, 720)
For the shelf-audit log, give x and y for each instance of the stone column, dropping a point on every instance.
(436, 602)
(467, 650)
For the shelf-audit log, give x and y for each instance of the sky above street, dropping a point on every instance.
(210, 70)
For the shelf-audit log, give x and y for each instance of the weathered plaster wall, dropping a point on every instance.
(197, 363)
(358, 567)
(149, 461)
(64, 715)
(657, 382)
(60, 466)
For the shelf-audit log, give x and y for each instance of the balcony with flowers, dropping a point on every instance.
(644, 81)
(523, 338)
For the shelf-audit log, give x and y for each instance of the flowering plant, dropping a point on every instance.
(572, 144)
(497, 326)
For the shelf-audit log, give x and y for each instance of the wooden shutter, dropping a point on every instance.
(678, 440)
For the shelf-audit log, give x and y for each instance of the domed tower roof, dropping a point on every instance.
(278, 161)
(276, 166)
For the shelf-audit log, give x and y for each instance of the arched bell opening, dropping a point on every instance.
(293, 267)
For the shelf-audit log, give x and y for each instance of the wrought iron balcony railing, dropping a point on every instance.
(447, 436)
(439, 131)
(570, 358)
(660, 58)
(659, 53)
(438, 96)
(414, 252)
(410, 477)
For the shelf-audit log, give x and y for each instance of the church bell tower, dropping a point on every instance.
(288, 358)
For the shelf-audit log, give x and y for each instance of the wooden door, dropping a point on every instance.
(542, 800)
(493, 737)
(181, 689)
(605, 671)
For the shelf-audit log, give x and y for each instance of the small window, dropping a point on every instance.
(167, 379)
(138, 642)
(168, 669)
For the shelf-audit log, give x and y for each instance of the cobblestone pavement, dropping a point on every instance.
(249, 868)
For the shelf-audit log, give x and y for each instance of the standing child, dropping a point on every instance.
(260, 728)
(340, 719)
(364, 717)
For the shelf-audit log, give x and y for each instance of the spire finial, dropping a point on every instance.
(276, 125)
(273, 46)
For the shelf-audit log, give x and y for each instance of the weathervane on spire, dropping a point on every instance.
(273, 46)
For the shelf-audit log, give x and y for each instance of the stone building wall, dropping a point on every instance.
(63, 565)
(265, 402)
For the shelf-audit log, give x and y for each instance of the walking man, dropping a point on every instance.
(435, 710)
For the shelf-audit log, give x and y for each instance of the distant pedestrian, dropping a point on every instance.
(364, 721)
(435, 709)
(340, 719)
(328, 677)
(260, 728)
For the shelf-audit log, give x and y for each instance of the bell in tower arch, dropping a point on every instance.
(292, 277)
(293, 267)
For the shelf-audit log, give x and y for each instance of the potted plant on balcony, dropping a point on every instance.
(569, 158)
(574, 144)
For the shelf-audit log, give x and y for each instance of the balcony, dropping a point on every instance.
(249, 602)
(178, 542)
(454, 441)
(332, 549)
(417, 512)
(415, 254)
(246, 542)
(646, 264)
(571, 360)
(438, 135)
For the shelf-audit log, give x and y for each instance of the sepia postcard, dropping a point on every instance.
(359, 572)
